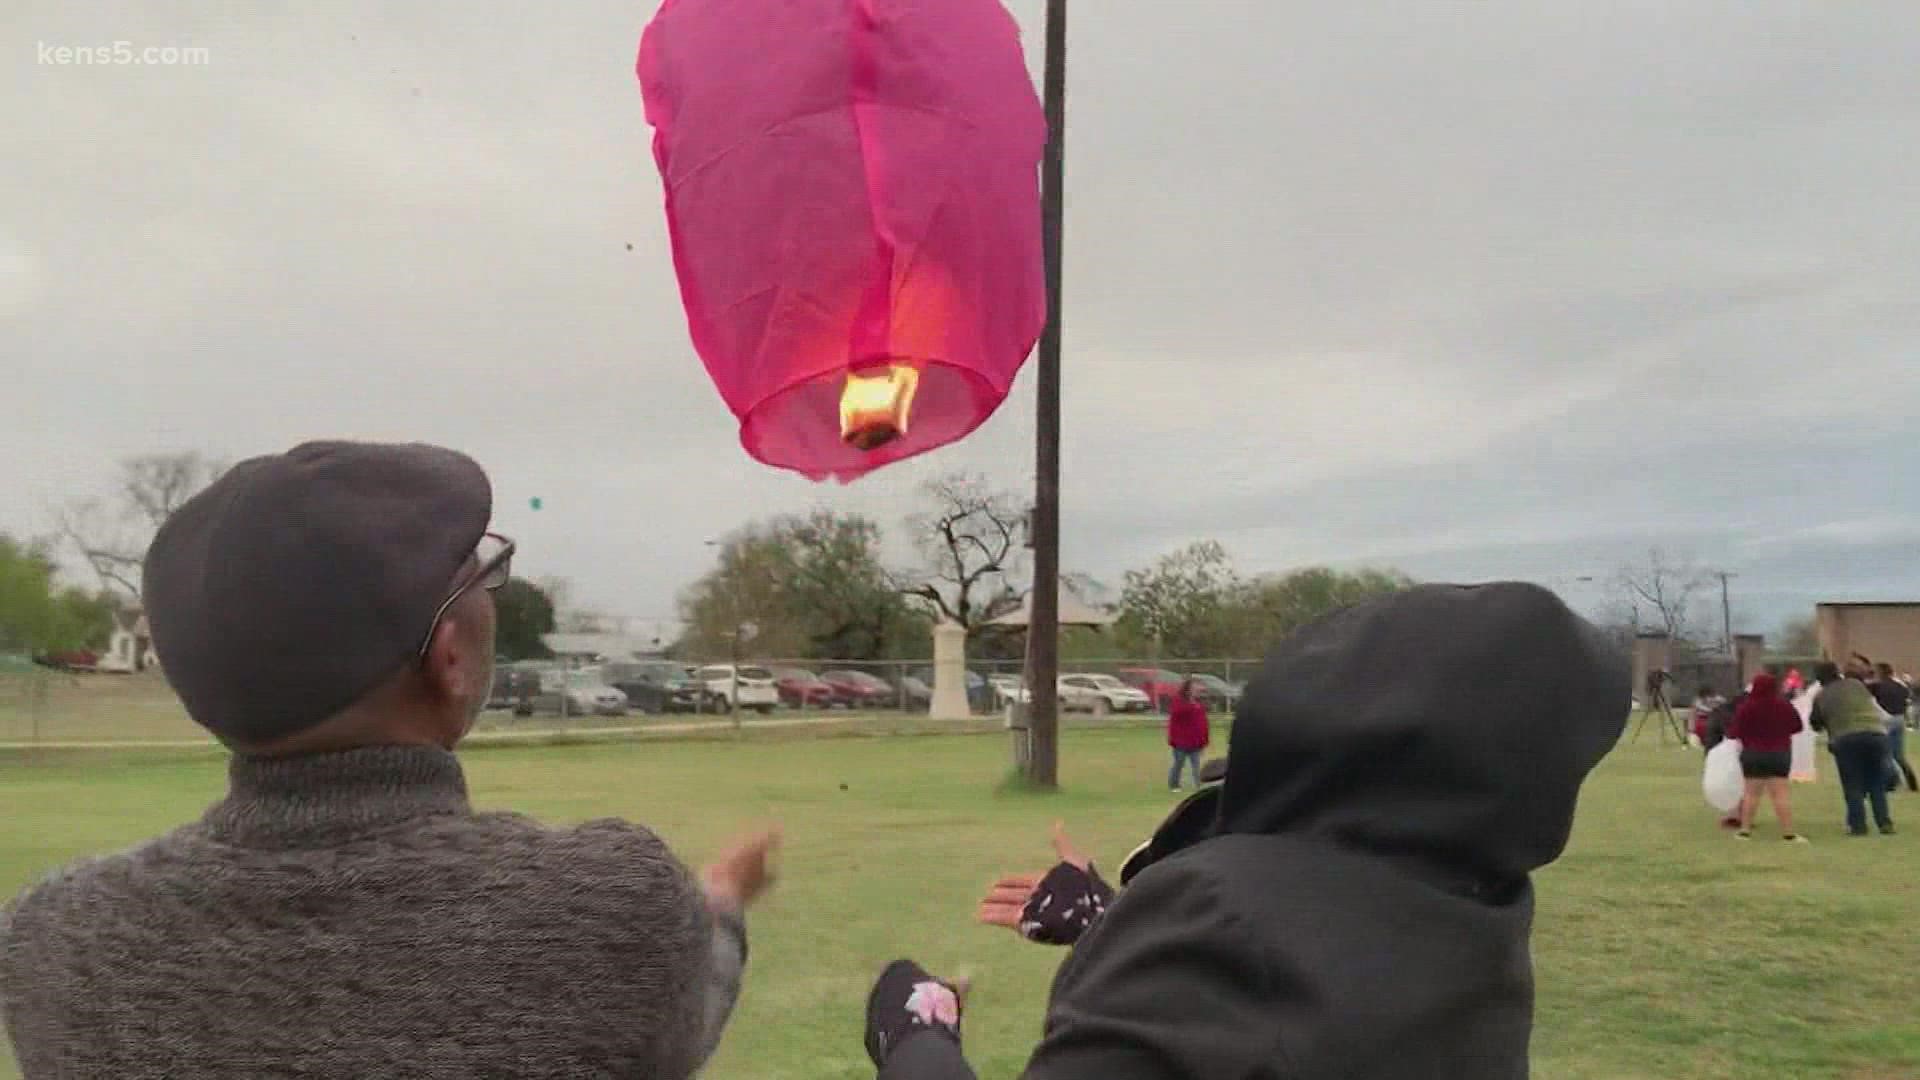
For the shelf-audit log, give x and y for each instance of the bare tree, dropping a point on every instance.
(103, 539)
(1800, 636)
(1659, 593)
(156, 485)
(112, 536)
(972, 543)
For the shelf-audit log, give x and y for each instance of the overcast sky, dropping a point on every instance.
(1475, 289)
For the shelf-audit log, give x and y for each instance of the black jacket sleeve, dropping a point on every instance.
(1168, 985)
(926, 1057)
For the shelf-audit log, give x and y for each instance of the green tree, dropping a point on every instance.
(1266, 609)
(1181, 605)
(39, 616)
(1193, 603)
(524, 613)
(808, 586)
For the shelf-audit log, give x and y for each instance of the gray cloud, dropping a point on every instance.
(1477, 289)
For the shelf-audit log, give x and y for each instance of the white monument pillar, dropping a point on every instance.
(949, 672)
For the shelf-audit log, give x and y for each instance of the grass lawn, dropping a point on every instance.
(1664, 948)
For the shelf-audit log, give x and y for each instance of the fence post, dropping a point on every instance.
(1022, 736)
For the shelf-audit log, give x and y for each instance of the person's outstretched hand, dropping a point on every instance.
(1009, 895)
(1055, 907)
(742, 873)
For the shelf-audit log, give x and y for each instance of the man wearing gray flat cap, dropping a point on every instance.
(344, 911)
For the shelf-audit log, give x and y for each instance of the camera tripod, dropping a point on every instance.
(1657, 703)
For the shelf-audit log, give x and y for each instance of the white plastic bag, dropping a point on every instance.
(1721, 781)
(1802, 771)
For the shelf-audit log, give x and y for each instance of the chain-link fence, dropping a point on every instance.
(44, 707)
(55, 709)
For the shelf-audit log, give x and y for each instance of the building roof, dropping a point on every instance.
(1869, 603)
(618, 646)
(1073, 612)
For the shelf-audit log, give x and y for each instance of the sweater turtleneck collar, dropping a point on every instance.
(314, 800)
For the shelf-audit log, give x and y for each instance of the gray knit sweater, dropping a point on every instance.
(350, 915)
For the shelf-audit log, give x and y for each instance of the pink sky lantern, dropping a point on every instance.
(853, 198)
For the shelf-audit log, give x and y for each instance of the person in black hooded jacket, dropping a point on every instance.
(1354, 900)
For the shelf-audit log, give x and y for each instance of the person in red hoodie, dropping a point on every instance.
(1186, 733)
(1765, 724)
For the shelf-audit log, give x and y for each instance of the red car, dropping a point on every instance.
(1160, 685)
(859, 690)
(76, 660)
(801, 689)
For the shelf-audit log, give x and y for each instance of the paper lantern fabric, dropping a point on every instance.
(849, 183)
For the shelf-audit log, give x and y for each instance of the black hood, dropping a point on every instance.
(1448, 724)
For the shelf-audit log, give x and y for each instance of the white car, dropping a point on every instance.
(586, 693)
(1008, 690)
(1101, 694)
(756, 684)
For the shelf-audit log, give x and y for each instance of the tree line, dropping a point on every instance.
(817, 586)
(38, 615)
(814, 585)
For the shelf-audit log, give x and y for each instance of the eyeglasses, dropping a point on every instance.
(493, 561)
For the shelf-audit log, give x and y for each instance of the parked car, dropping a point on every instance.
(1007, 690)
(76, 660)
(1101, 694)
(916, 693)
(1216, 691)
(580, 692)
(859, 690)
(757, 690)
(802, 689)
(657, 686)
(514, 688)
(1159, 684)
(980, 695)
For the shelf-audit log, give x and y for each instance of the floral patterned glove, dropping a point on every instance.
(1065, 904)
(907, 1001)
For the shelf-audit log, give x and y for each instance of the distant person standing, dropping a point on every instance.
(1894, 697)
(1857, 739)
(1794, 683)
(1187, 734)
(1704, 703)
(1765, 724)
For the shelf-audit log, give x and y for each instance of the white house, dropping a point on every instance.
(130, 646)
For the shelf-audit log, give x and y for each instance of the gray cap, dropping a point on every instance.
(297, 582)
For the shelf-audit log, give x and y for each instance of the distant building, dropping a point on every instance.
(592, 648)
(1689, 667)
(130, 644)
(1884, 630)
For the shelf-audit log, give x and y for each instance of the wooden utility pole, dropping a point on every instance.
(1726, 614)
(1043, 623)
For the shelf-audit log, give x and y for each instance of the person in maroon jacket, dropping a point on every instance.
(1765, 724)
(1187, 734)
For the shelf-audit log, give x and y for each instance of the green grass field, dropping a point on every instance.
(1664, 947)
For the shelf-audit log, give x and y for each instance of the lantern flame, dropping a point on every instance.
(876, 405)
